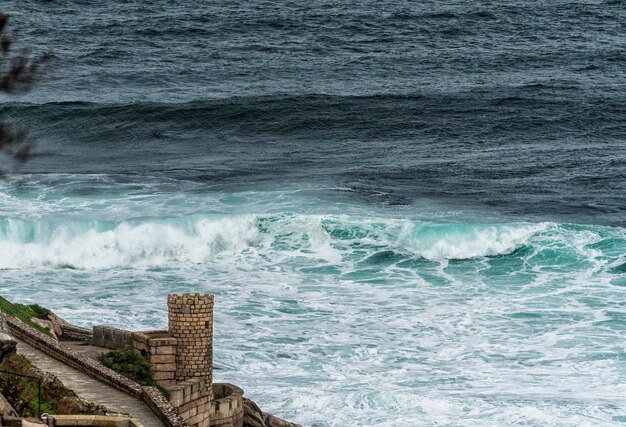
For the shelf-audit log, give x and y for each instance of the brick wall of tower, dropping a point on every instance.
(191, 323)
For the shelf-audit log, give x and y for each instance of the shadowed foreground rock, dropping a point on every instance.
(8, 347)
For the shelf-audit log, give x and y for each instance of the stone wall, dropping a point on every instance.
(187, 391)
(93, 420)
(162, 408)
(227, 408)
(160, 350)
(197, 413)
(182, 360)
(157, 347)
(112, 338)
(190, 398)
(75, 333)
(82, 363)
(8, 346)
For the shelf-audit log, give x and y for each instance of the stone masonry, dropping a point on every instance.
(160, 350)
(191, 323)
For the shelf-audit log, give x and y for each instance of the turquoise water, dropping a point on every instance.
(334, 313)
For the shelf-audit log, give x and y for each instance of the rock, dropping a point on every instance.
(254, 417)
(6, 409)
(272, 421)
(252, 414)
(56, 323)
(8, 346)
(44, 324)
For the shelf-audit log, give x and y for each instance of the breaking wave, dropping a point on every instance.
(265, 238)
(436, 242)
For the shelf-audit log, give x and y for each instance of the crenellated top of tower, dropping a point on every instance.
(190, 299)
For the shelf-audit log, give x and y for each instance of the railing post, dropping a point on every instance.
(39, 398)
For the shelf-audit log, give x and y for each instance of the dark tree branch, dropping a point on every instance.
(18, 72)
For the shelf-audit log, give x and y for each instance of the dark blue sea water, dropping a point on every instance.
(411, 213)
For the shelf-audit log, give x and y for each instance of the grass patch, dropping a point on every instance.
(40, 312)
(133, 366)
(24, 313)
(22, 394)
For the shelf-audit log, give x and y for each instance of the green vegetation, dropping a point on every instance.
(40, 312)
(24, 313)
(132, 365)
(22, 393)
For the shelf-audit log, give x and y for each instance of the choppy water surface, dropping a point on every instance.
(410, 214)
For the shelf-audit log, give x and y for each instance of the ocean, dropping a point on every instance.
(409, 213)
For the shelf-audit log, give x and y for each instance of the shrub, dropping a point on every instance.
(132, 365)
(128, 363)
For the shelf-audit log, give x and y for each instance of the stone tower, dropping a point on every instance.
(191, 323)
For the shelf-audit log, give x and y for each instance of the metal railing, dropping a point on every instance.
(39, 380)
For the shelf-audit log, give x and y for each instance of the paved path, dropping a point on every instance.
(89, 388)
(85, 349)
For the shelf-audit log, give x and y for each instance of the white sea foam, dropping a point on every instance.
(439, 242)
(139, 245)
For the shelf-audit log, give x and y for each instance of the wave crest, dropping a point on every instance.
(465, 241)
(273, 239)
(98, 245)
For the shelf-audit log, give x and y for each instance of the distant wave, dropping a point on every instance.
(343, 116)
(502, 147)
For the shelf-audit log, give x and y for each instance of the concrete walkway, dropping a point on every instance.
(85, 349)
(91, 389)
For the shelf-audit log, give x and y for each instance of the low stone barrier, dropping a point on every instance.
(162, 408)
(113, 338)
(227, 409)
(150, 395)
(193, 403)
(75, 333)
(187, 391)
(93, 420)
